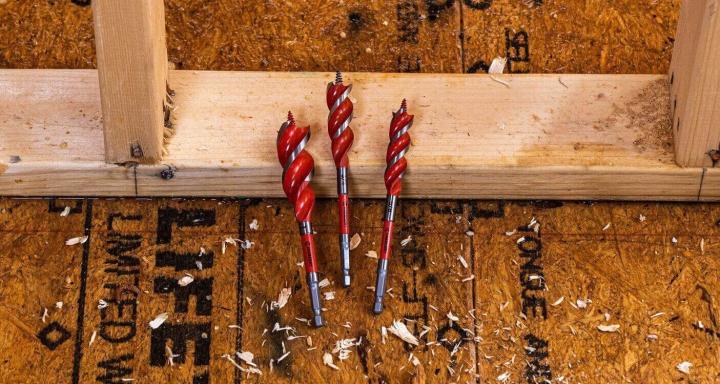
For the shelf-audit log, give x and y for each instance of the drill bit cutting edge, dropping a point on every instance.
(396, 166)
(298, 166)
(341, 113)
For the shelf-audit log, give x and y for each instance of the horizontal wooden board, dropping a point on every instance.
(512, 136)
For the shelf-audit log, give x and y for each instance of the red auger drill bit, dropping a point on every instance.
(396, 166)
(341, 113)
(298, 168)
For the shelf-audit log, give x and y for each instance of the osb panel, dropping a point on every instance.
(570, 36)
(378, 36)
(648, 268)
(424, 285)
(559, 36)
(619, 258)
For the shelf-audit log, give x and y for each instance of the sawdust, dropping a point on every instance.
(650, 114)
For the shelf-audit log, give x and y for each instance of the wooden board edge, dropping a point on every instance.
(567, 182)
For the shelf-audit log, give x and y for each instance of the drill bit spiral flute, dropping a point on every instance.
(341, 111)
(298, 167)
(396, 166)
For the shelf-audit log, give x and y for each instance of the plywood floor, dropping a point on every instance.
(529, 303)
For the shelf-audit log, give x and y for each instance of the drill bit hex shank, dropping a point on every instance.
(396, 166)
(298, 168)
(341, 111)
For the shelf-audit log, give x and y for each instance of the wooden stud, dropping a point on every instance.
(132, 65)
(539, 137)
(695, 83)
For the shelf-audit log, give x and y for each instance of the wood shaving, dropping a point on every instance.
(371, 254)
(65, 212)
(581, 303)
(406, 241)
(399, 329)
(328, 360)
(92, 338)
(510, 233)
(470, 233)
(282, 300)
(254, 225)
(59, 305)
(186, 280)
(642, 218)
(558, 301)
(503, 378)
(606, 227)
(281, 358)
(684, 367)
(609, 328)
(505, 83)
(462, 261)
(45, 314)
(498, 65)
(329, 295)
(355, 241)
(247, 370)
(76, 240)
(469, 278)
(102, 304)
(159, 320)
(452, 317)
(324, 283)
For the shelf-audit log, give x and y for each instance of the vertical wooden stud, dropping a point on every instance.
(695, 83)
(132, 67)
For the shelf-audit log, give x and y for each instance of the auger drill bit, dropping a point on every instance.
(341, 113)
(298, 168)
(396, 166)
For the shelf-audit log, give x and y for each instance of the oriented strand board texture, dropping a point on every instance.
(649, 269)
(564, 36)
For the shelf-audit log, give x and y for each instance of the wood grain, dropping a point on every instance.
(695, 99)
(132, 67)
(541, 136)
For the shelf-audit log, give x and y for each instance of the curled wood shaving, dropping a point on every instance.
(609, 328)
(282, 300)
(406, 241)
(254, 225)
(399, 329)
(76, 240)
(186, 280)
(65, 212)
(328, 360)
(498, 65)
(159, 320)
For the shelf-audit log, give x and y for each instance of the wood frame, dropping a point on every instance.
(534, 137)
(132, 68)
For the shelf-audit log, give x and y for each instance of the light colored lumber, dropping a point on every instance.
(711, 185)
(541, 137)
(695, 73)
(132, 63)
